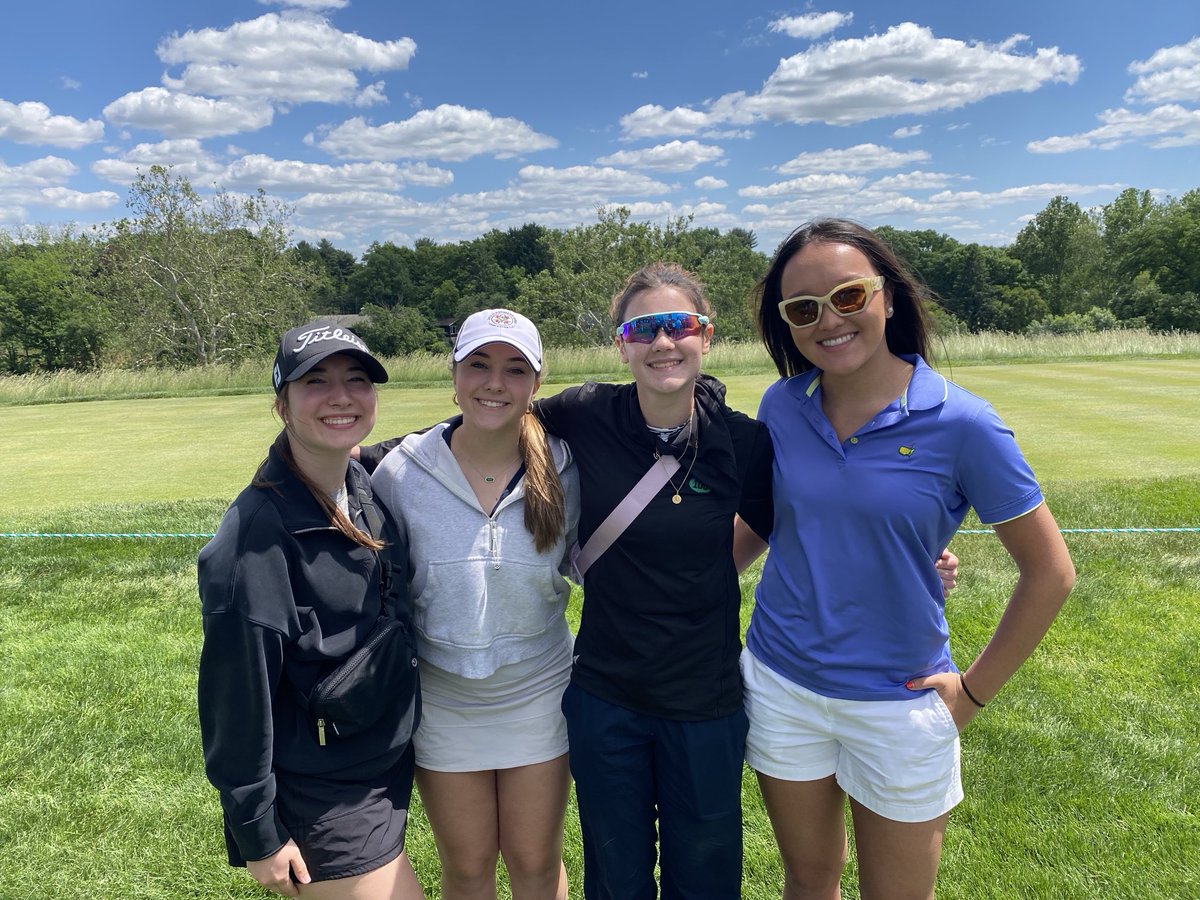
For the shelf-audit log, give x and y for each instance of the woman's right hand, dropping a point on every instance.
(274, 872)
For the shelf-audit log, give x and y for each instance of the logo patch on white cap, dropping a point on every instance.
(502, 318)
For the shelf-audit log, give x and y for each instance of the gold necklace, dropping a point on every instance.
(695, 452)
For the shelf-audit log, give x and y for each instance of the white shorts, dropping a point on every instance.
(898, 758)
(511, 718)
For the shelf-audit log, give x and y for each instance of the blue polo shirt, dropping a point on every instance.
(849, 604)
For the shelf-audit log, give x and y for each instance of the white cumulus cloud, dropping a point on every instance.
(33, 123)
(48, 171)
(289, 175)
(708, 183)
(1171, 125)
(185, 156)
(676, 156)
(652, 120)
(1170, 74)
(185, 115)
(282, 58)
(447, 132)
(806, 186)
(904, 71)
(307, 4)
(811, 25)
(859, 158)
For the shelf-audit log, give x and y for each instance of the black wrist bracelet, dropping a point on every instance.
(967, 691)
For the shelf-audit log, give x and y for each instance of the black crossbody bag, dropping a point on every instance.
(381, 672)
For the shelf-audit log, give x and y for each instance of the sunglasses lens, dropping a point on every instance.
(802, 312)
(644, 329)
(850, 299)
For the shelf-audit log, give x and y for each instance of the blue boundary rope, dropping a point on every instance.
(151, 534)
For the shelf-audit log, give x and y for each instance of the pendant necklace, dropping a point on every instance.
(489, 479)
(676, 499)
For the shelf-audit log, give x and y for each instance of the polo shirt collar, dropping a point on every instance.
(926, 389)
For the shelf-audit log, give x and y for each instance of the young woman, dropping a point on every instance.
(301, 570)
(850, 686)
(654, 708)
(488, 507)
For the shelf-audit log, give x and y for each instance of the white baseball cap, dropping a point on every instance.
(499, 326)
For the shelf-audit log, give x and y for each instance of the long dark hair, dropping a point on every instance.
(907, 331)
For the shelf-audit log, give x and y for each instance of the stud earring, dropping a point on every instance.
(888, 314)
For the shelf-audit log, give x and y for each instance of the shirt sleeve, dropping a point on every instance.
(992, 472)
(555, 412)
(371, 455)
(570, 483)
(757, 506)
(240, 667)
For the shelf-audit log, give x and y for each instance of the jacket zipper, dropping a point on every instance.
(493, 534)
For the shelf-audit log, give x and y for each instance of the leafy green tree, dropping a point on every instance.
(1016, 308)
(1124, 221)
(384, 278)
(729, 272)
(1062, 249)
(524, 248)
(201, 281)
(334, 269)
(972, 296)
(570, 302)
(591, 262)
(49, 317)
(1175, 239)
(396, 330)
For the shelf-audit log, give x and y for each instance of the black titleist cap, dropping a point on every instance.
(304, 347)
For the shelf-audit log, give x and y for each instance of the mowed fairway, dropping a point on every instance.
(1082, 778)
(1089, 420)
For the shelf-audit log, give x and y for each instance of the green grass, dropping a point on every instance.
(1074, 419)
(572, 365)
(1082, 778)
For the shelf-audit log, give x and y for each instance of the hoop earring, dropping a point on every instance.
(455, 398)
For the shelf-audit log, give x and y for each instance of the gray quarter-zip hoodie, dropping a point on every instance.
(484, 596)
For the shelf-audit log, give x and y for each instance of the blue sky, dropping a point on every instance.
(382, 120)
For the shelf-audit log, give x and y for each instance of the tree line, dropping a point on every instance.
(185, 280)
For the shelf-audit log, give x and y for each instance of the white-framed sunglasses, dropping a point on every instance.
(846, 300)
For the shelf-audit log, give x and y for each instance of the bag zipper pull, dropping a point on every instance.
(321, 732)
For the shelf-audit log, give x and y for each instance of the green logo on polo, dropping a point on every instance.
(697, 487)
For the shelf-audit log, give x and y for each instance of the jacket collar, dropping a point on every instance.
(298, 508)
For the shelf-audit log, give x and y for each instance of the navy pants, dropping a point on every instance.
(631, 769)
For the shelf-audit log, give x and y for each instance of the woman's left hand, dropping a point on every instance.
(949, 688)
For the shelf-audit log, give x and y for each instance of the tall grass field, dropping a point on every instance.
(1082, 778)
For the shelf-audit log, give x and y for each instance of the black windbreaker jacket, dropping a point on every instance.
(285, 597)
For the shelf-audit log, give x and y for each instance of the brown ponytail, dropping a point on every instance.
(545, 514)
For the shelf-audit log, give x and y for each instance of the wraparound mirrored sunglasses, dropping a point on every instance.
(677, 325)
(846, 300)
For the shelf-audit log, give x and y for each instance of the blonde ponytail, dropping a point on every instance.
(545, 512)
